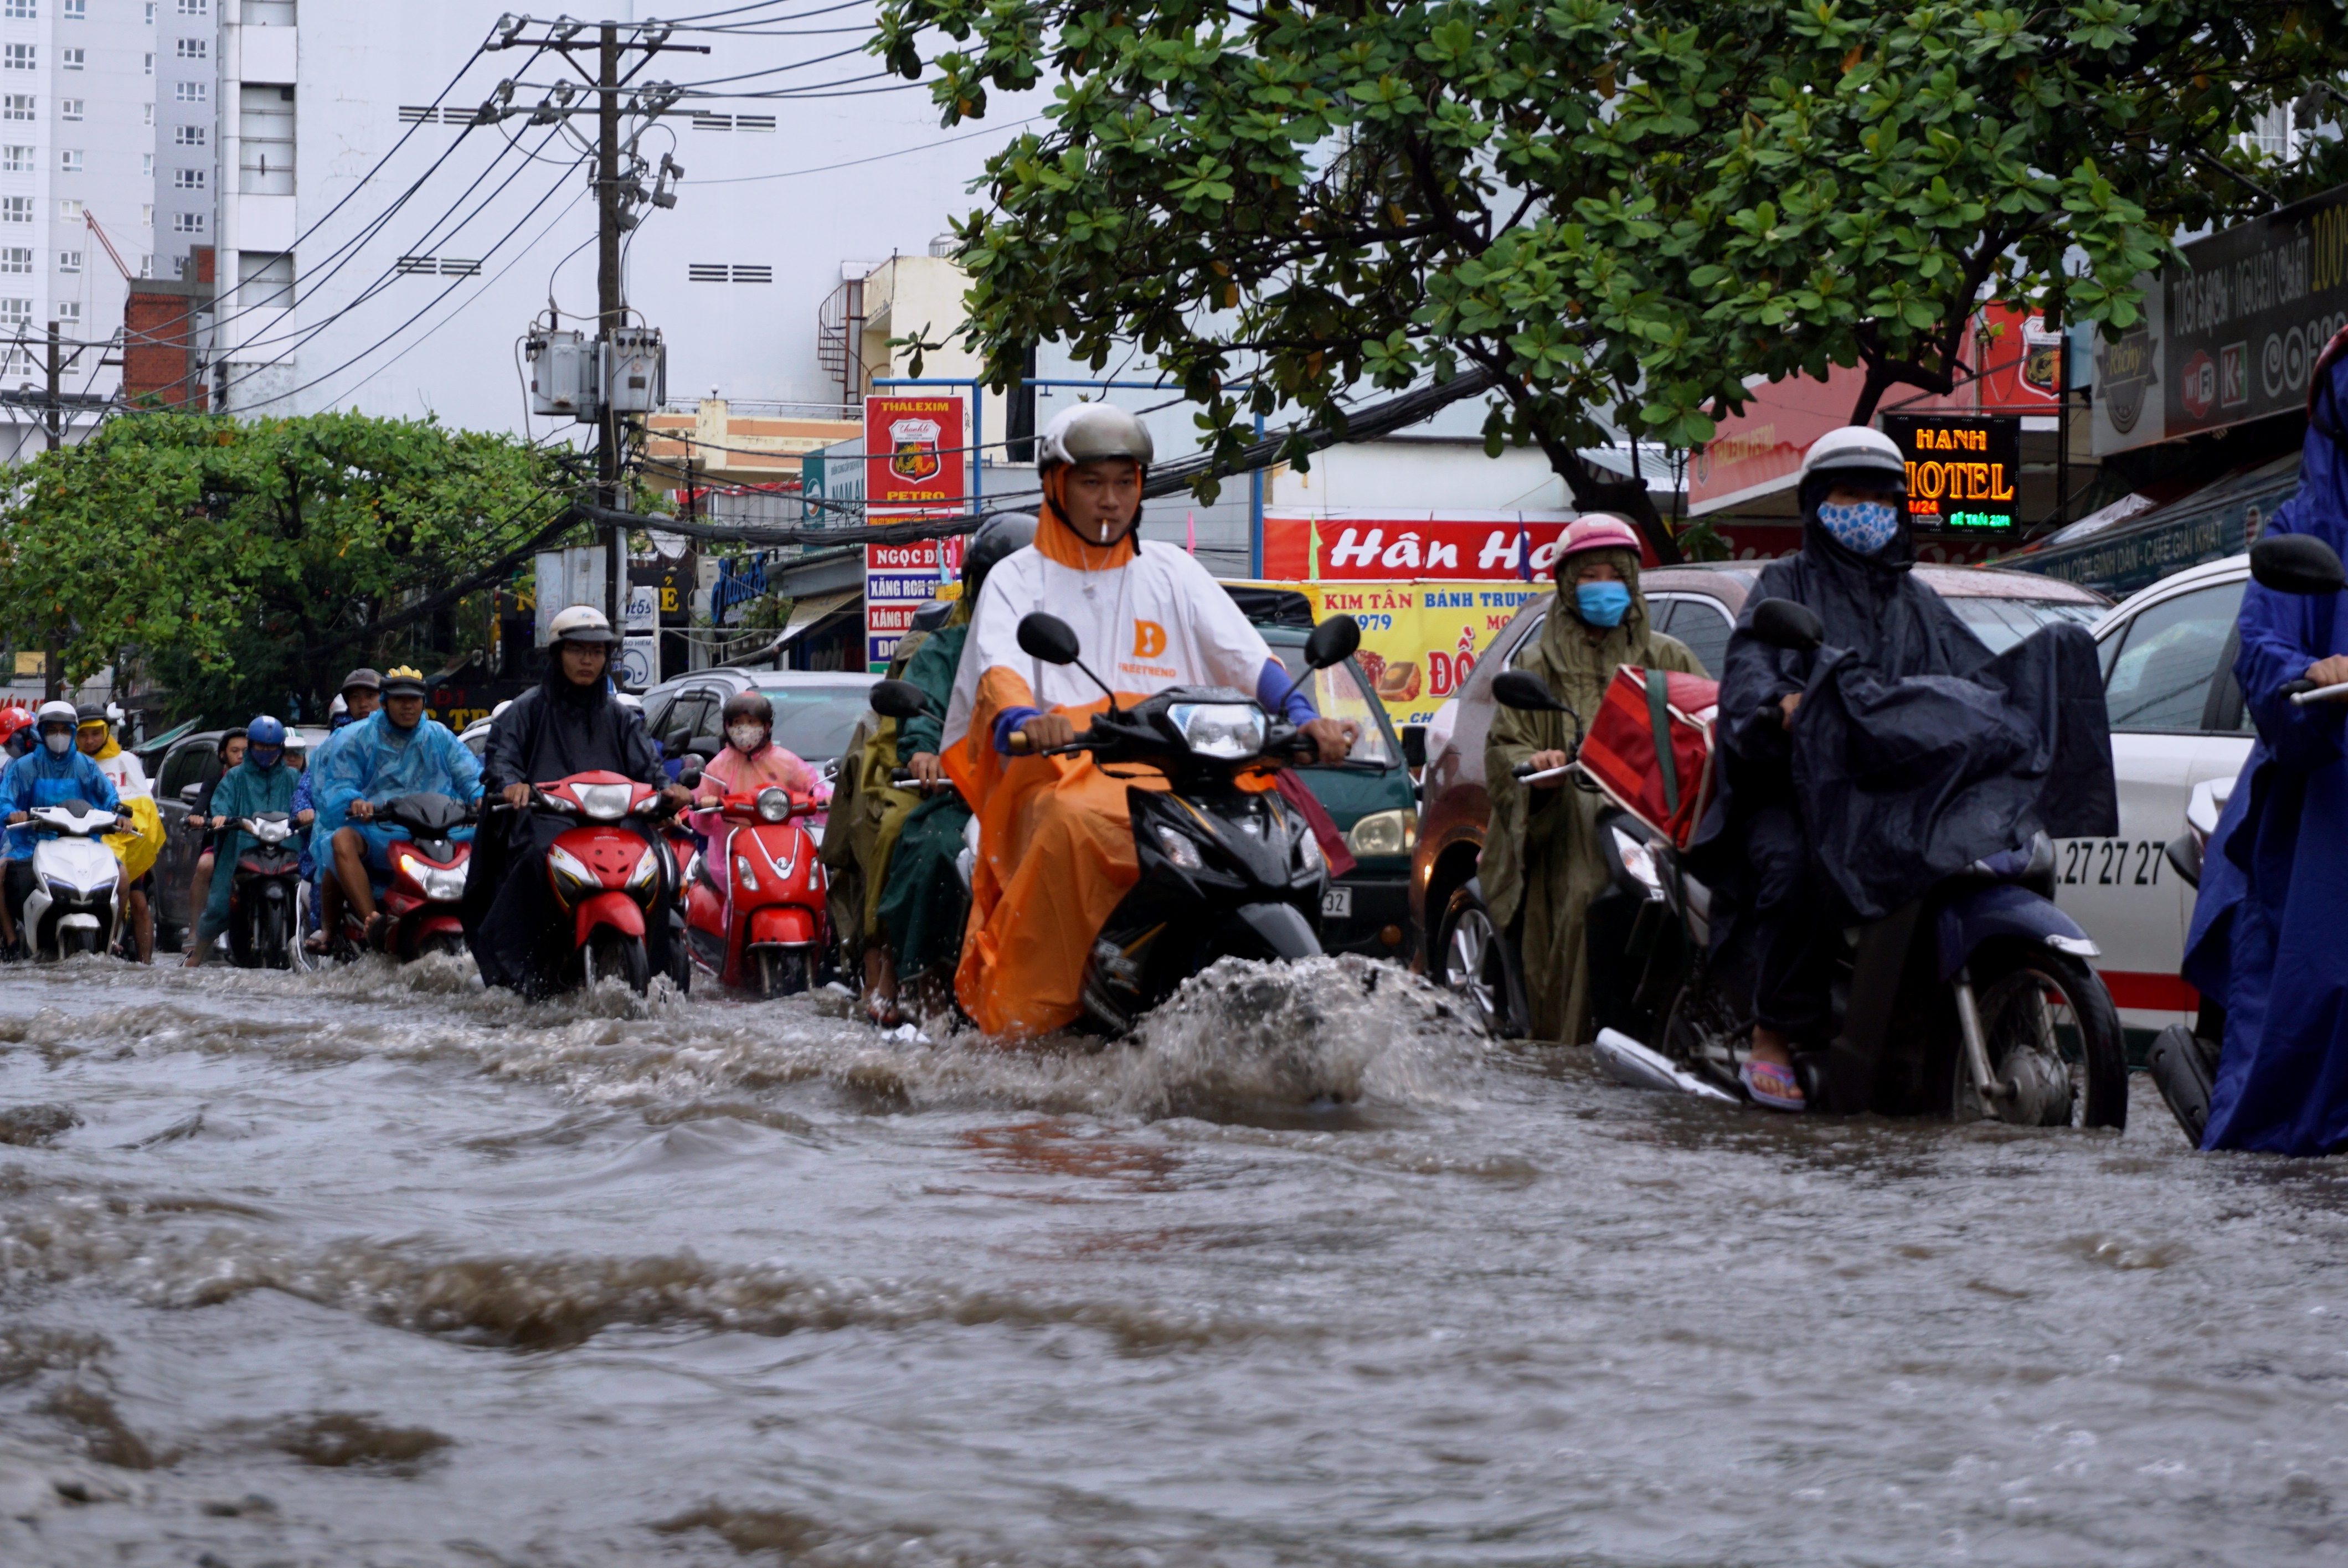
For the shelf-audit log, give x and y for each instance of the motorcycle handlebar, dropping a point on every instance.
(2303, 693)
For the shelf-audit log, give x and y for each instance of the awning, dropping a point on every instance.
(815, 607)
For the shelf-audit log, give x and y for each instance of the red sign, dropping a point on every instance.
(2198, 390)
(1417, 549)
(916, 452)
(2019, 361)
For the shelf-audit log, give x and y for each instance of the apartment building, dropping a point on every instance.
(186, 135)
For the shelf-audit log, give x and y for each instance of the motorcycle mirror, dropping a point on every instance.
(1048, 637)
(706, 747)
(1333, 641)
(1522, 689)
(192, 793)
(1781, 623)
(2297, 563)
(689, 775)
(902, 700)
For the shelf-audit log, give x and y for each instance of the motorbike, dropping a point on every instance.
(1976, 999)
(263, 889)
(764, 934)
(1225, 871)
(420, 899)
(2183, 1060)
(71, 908)
(610, 873)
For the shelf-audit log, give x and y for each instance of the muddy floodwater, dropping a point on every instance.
(375, 1269)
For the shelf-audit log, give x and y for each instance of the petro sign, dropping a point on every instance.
(1960, 470)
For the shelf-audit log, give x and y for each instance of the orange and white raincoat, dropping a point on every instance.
(1055, 842)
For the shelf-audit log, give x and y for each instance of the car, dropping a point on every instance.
(1698, 604)
(815, 711)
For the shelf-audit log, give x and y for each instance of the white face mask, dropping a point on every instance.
(59, 742)
(746, 737)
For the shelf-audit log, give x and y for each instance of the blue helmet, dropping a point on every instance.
(264, 734)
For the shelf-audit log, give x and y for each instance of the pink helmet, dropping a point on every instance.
(1596, 531)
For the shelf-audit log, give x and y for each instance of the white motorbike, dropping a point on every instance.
(72, 908)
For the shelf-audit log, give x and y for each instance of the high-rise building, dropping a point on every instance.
(187, 128)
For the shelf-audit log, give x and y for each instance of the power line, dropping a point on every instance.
(876, 158)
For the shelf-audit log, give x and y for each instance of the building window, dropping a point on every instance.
(69, 312)
(74, 59)
(69, 211)
(24, 11)
(17, 313)
(147, 263)
(20, 57)
(147, 214)
(18, 105)
(191, 92)
(187, 136)
(150, 114)
(187, 223)
(16, 161)
(69, 108)
(69, 160)
(187, 179)
(16, 210)
(149, 58)
(193, 49)
(15, 259)
(192, 8)
(68, 261)
(77, 10)
(147, 166)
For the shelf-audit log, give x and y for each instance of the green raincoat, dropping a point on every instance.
(1541, 865)
(868, 811)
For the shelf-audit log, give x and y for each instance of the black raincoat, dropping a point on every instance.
(1914, 751)
(551, 732)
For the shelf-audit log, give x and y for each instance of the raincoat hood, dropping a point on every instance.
(1626, 563)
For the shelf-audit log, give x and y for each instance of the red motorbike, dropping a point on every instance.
(608, 874)
(420, 897)
(764, 934)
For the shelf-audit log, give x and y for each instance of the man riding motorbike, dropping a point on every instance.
(1541, 863)
(262, 782)
(2265, 939)
(1926, 755)
(1055, 847)
(200, 820)
(52, 773)
(568, 724)
(137, 846)
(358, 698)
(393, 752)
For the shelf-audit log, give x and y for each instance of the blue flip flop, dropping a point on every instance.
(1771, 1085)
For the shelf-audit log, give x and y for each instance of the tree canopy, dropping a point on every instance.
(1621, 209)
(240, 564)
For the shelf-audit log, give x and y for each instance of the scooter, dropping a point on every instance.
(71, 908)
(264, 885)
(1974, 1000)
(1224, 872)
(765, 933)
(2183, 1060)
(611, 874)
(420, 899)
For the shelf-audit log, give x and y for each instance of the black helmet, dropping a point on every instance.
(999, 534)
(750, 705)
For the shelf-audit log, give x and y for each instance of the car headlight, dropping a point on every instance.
(604, 803)
(573, 881)
(1385, 833)
(774, 803)
(1180, 849)
(1228, 731)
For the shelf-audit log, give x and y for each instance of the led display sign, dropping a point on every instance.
(1963, 472)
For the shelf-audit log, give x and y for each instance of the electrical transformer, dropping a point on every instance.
(635, 370)
(562, 379)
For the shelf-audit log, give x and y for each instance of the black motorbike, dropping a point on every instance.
(263, 892)
(1974, 1000)
(1225, 872)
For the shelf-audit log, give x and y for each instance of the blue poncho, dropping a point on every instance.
(373, 759)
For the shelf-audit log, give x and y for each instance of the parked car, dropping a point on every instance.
(815, 711)
(1698, 605)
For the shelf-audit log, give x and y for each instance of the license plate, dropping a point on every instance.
(1338, 904)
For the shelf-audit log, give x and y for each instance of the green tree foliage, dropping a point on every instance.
(240, 564)
(1620, 210)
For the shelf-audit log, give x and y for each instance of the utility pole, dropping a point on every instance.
(608, 309)
(53, 656)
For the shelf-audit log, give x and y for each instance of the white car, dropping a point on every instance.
(2178, 719)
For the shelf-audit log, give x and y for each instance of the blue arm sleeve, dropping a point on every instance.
(1298, 708)
(464, 768)
(2282, 634)
(1006, 724)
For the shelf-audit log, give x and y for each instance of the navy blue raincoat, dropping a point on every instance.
(2266, 941)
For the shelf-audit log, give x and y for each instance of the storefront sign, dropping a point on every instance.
(1342, 549)
(916, 453)
(898, 580)
(1962, 472)
(1419, 641)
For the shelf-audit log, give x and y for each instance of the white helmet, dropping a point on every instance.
(57, 712)
(1856, 449)
(1091, 431)
(580, 623)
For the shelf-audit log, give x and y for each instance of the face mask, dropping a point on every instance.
(1602, 604)
(265, 756)
(1863, 528)
(746, 737)
(59, 742)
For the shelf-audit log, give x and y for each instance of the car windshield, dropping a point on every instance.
(2001, 623)
(814, 723)
(1337, 692)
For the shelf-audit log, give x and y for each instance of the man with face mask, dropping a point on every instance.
(262, 782)
(1856, 775)
(51, 774)
(1541, 863)
(1055, 847)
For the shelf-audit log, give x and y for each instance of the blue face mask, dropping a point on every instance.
(1602, 604)
(264, 757)
(1863, 528)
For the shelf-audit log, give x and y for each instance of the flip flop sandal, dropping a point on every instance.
(1771, 1085)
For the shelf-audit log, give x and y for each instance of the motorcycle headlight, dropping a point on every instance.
(1180, 849)
(604, 803)
(272, 833)
(774, 803)
(442, 884)
(1228, 731)
(1385, 833)
(573, 881)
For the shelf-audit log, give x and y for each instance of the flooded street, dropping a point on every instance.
(378, 1268)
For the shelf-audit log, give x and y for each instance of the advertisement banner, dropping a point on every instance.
(1356, 548)
(1419, 641)
(898, 580)
(1961, 471)
(917, 453)
(2021, 361)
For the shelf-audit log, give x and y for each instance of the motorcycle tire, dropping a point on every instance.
(781, 972)
(613, 956)
(275, 950)
(79, 941)
(2029, 995)
(447, 944)
(1478, 961)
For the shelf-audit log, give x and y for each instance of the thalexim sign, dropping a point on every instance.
(1962, 470)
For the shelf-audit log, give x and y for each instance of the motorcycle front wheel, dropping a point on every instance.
(782, 972)
(2052, 1036)
(275, 950)
(610, 955)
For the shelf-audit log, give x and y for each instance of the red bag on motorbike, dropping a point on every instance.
(1649, 748)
